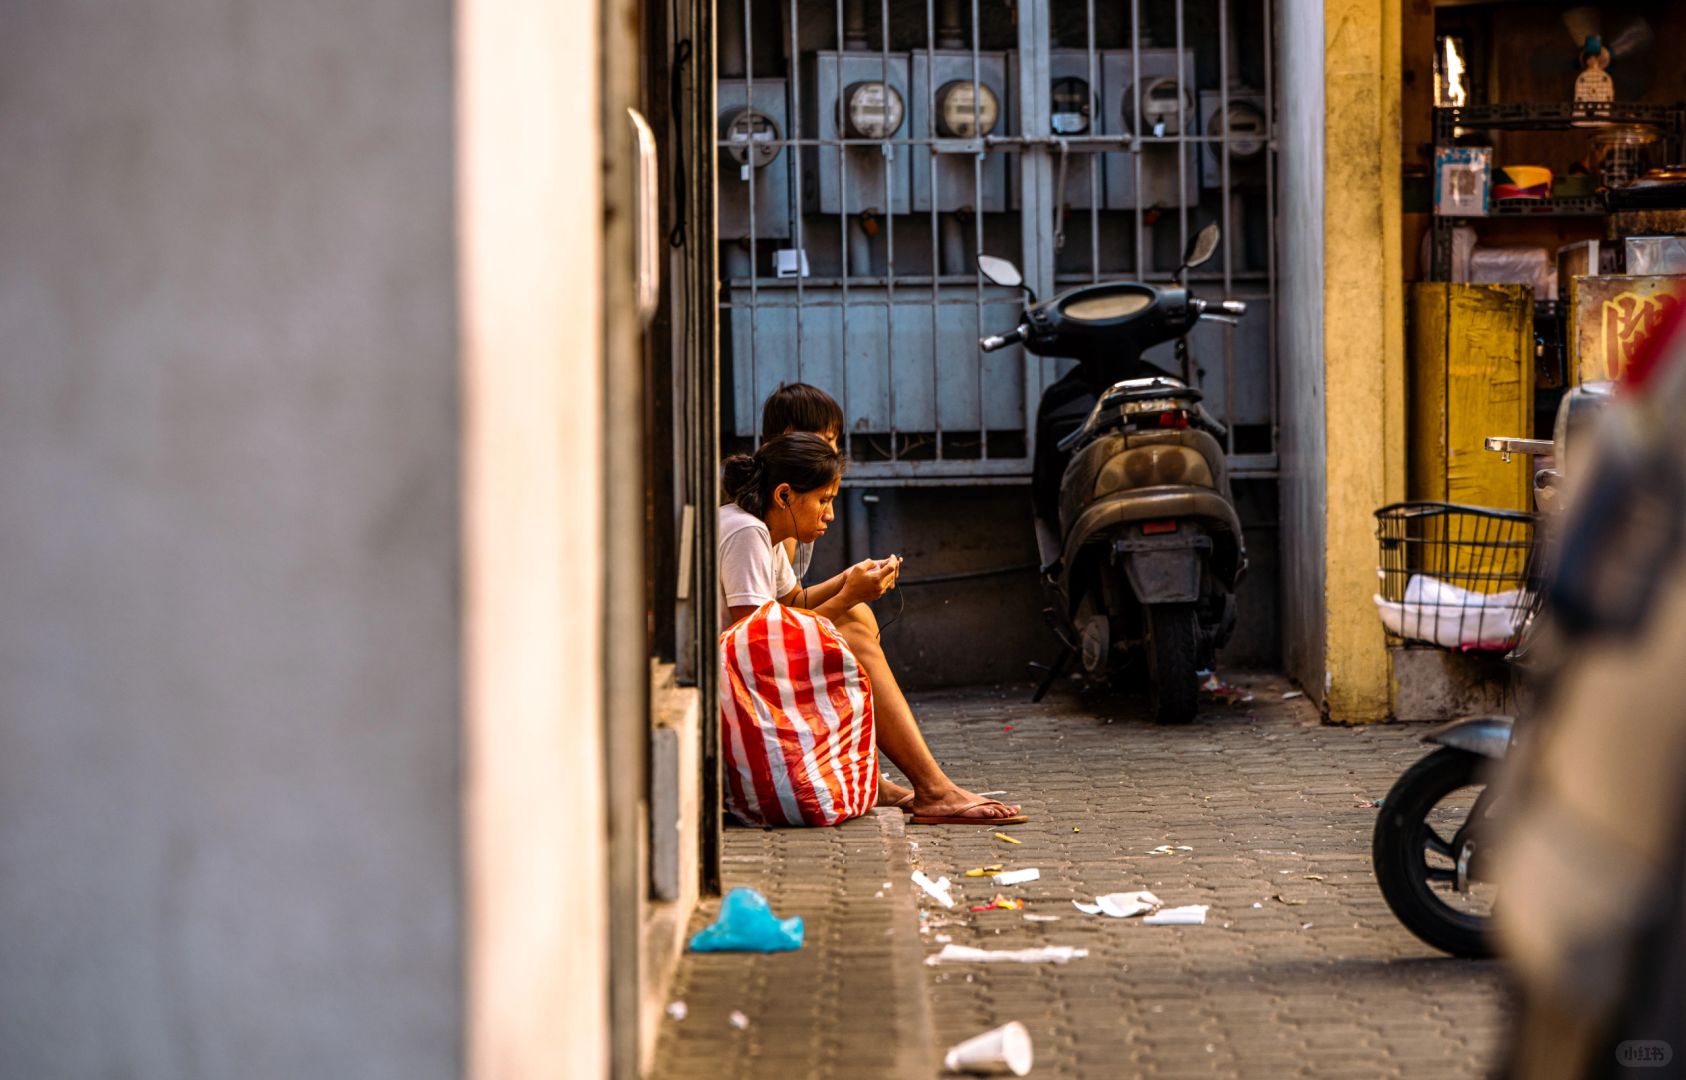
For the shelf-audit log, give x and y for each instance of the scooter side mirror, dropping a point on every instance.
(1201, 246)
(998, 271)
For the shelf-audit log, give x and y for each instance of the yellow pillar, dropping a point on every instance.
(1363, 334)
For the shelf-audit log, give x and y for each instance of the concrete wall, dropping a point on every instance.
(989, 630)
(1363, 338)
(229, 763)
(1343, 371)
(1304, 492)
(532, 199)
(962, 633)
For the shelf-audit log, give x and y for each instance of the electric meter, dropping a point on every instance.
(752, 138)
(960, 116)
(1071, 102)
(1243, 119)
(1161, 100)
(871, 110)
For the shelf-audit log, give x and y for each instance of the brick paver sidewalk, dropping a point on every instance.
(851, 1003)
(1318, 980)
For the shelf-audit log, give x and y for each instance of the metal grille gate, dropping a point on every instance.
(869, 151)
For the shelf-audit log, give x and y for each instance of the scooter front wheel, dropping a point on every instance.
(1423, 852)
(1173, 648)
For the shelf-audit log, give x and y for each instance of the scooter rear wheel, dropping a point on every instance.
(1173, 648)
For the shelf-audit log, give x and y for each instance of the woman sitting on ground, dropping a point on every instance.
(785, 491)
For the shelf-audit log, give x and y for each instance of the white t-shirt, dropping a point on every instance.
(753, 570)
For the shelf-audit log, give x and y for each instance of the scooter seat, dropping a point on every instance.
(1159, 386)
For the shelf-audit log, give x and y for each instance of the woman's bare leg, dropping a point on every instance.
(898, 732)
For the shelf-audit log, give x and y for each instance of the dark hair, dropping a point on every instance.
(800, 407)
(802, 459)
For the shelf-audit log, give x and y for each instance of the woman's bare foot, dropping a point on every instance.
(957, 801)
(892, 794)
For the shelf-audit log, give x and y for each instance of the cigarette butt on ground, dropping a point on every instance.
(1009, 839)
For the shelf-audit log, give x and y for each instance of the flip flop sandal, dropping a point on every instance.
(967, 818)
(904, 804)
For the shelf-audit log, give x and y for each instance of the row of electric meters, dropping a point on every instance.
(952, 98)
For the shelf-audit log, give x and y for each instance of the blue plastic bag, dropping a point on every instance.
(747, 924)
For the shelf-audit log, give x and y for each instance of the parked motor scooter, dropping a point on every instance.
(1433, 859)
(1140, 545)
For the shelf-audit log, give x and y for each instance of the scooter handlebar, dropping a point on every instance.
(1000, 341)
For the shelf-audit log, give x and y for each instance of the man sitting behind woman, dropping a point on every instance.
(783, 493)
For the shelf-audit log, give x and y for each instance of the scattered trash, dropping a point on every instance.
(984, 871)
(1305, 926)
(1257, 904)
(1291, 903)
(1292, 694)
(1009, 839)
(943, 939)
(1003, 903)
(1008, 727)
(1368, 804)
(886, 886)
(1122, 905)
(1167, 849)
(739, 1020)
(1189, 915)
(987, 794)
(1006, 1048)
(1047, 954)
(747, 924)
(879, 895)
(1075, 829)
(677, 1010)
(1212, 686)
(1032, 917)
(1312, 877)
(936, 890)
(1017, 877)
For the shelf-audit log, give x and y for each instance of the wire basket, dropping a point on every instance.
(1461, 577)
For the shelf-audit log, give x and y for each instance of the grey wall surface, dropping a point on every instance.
(1304, 483)
(228, 649)
(988, 630)
(961, 633)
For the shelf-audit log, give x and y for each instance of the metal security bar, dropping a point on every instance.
(869, 151)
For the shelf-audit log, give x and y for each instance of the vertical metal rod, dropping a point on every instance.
(1183, 83)
(843, 225)
(1221, 151)
(888, 150)
(793, 123)
(1135, 126)
(977, 237)
(936, 222)
(1094, 160)
(1036, 178)
(703, 348)
(754, 266)
(1270, 233)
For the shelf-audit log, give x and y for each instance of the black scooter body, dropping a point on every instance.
(1141, 546)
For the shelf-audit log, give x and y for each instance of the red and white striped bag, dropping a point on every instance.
(795, 721)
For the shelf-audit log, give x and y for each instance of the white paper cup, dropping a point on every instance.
(1006, 1049)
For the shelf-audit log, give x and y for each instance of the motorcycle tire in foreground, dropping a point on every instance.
(1403, 841)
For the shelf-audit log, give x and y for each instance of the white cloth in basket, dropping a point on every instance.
(1444, 614)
